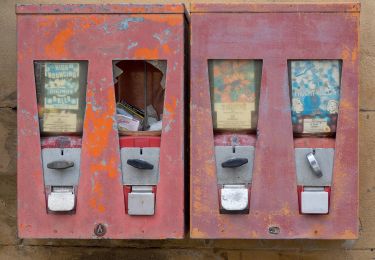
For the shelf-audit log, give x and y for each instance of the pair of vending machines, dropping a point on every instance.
(271, 119)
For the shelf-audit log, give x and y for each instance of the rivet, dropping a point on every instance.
(100, 230)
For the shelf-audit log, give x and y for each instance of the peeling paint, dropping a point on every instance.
(124, 24)
(163, 37)
(132, 45)
(146, 53)
(73, 36)
(105, 28)
(58, 45)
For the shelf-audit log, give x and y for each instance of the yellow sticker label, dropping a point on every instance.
(233, 115)
(316, 125)
(59, 122)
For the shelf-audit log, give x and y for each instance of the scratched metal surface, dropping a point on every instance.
(100, 38)
(296, 32)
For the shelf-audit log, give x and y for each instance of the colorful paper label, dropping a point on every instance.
(315, 95)
(234, 93)
(61, 85)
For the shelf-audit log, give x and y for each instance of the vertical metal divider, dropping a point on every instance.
(145, 120)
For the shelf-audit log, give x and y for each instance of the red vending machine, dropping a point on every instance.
(274, 121)
(101, 121)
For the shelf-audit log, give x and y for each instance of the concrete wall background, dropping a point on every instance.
(13, 248)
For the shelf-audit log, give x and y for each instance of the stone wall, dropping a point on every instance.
(13, 248)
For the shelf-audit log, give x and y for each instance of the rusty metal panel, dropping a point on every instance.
(99, 35)
(275, 34)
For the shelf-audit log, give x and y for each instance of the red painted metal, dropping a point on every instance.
(100, 9)
(242, 139)
(276, 8)
(88, 32)
(61, 142)
(137, 141)
(275, 34)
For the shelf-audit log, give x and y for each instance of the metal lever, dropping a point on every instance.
(140, 164)
(60, 165)
(234, 162)
(314, 165)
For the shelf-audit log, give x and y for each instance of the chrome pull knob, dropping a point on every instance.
(314, 165)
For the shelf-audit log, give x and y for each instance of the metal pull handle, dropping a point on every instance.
(234, 163)
(60, 165)
(314, 164)
(140, 164)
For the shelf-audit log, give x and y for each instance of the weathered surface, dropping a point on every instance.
(277, 33)
(11, 248)
(72, 35)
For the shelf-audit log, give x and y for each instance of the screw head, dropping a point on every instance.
(274, 230)
(100, 230)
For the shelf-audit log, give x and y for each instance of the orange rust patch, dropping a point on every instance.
(172, 20)
(254, 234)
(196, 233)
(166, 48)
(44, 23)
(98, 189)
(133, 9)
(57, 47)
(145, 53)
(24, 226)
(348, 234)
(345, 53)
(171, 107)
(354, 54)
(209, 169)
(96, 19)
(348, 54)
(286, 210)
(346, 104)
(37, 174)
(92, 203)
(356, 15)
(110, 168)
(98, 136)
(101, 208)
(86, 22)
